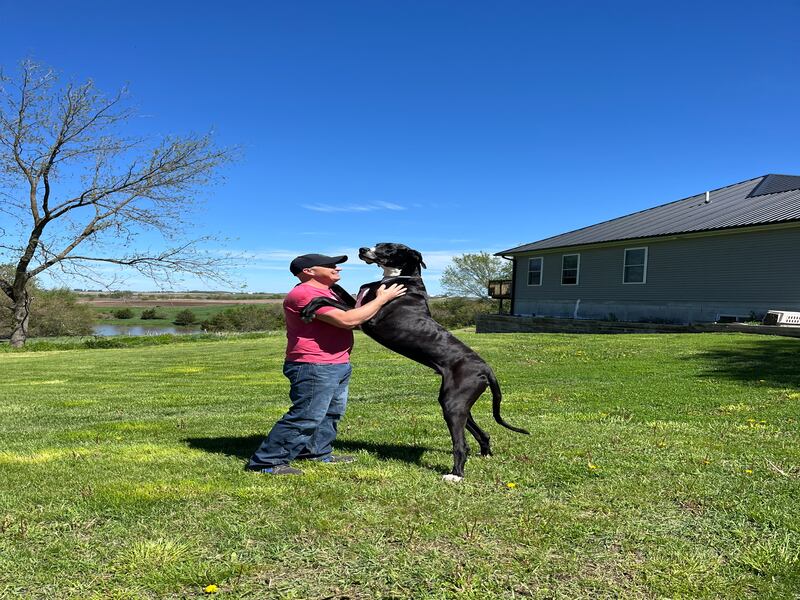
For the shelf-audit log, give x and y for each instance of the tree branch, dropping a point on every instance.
(181, 259)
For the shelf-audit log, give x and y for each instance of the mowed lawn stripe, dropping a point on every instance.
(657, 466)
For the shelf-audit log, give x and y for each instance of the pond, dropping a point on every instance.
(112, 330)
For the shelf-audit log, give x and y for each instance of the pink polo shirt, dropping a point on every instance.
(314, 342)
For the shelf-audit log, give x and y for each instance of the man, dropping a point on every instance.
(317, 366)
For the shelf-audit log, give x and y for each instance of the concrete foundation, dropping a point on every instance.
(520, 324)
(654, 312)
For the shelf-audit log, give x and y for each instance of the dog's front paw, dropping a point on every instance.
(450, 478)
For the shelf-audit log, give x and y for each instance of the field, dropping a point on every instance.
(657, 466)
(168, 307)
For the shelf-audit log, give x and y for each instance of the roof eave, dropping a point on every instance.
(699, 233)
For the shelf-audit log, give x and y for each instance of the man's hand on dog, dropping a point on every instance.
(385, 294)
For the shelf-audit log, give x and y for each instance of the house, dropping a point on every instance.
(729, 254)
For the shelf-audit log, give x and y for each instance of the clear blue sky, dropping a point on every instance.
(453, 126)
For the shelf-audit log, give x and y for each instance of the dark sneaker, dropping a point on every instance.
(279, 470)
(337, 458)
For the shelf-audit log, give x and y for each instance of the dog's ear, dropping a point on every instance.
(418, 257)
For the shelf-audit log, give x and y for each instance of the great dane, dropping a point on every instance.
(405, 326)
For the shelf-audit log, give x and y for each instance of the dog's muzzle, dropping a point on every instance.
(367, 255)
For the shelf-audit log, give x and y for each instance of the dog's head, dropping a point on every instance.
(395, 259)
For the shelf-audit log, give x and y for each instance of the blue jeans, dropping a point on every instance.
(319, 396)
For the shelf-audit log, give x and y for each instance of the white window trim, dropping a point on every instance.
(541, 271)
(578, 269)
(624, 255)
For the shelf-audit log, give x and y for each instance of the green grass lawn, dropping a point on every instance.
(658, 466)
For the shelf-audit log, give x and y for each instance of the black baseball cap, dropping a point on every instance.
(313, 260)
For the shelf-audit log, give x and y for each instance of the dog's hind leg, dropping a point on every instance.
(479, 386)
(456, 405)
(455, 408)
(480, 435)
(456, 423)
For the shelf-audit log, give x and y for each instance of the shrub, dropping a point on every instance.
(453, 313)
(250, 317)
(185, 317)
(58, 312)
(53, 313)
(149, 314)
(123, 313)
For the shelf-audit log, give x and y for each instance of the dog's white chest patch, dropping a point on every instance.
(391, 272)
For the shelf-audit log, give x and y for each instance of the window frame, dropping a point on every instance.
(625, 265)
(541, 271)
(577, 269)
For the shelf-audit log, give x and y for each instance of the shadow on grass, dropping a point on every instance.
(409, 454)
(775, 360)
(239, 447)
(243, 447)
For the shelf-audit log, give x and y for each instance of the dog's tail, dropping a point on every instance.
(496, 397)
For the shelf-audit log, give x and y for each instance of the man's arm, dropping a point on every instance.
(350, 319)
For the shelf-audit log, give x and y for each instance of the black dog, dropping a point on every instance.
(405, 326)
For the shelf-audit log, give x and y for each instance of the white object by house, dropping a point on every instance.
(780, 317)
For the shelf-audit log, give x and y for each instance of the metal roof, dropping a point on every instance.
(763, 200)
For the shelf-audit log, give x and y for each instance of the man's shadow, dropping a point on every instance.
(243, 448)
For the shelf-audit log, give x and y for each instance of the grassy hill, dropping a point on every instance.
(658, 466)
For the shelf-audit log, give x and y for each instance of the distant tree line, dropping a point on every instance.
(57, 312)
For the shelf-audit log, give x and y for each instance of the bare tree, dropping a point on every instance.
(469, 274)
(75, 191)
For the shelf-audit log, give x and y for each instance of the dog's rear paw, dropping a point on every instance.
(450, 478)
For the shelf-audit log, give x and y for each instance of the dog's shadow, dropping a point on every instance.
(243, 448)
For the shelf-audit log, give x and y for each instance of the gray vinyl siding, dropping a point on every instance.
(700, 277)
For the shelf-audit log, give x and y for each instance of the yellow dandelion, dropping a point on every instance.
(211, 589)
(511, 485)
(593, 467)
(748, 471)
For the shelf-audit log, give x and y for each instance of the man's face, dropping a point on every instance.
(326, 274)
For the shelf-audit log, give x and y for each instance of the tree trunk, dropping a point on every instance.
(21, 309)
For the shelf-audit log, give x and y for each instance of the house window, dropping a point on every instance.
(570, 265)
(535, 270)
(635, 267)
